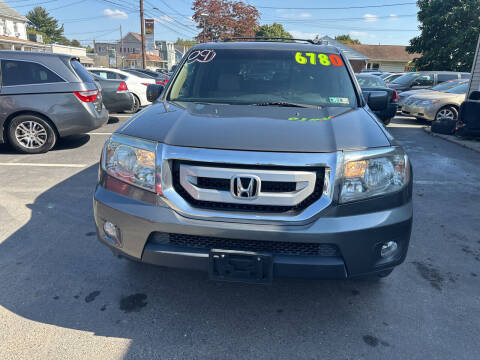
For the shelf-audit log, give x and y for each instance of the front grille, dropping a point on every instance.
(273, 247)
(224, 184)
(267, 186)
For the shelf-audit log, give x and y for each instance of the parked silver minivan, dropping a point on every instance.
(44, 97)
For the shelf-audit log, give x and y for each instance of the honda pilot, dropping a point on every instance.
(259, 160)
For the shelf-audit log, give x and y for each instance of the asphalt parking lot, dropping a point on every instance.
(63, 295)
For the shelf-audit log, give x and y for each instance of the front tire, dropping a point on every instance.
(447, 112)
(387, 121)
(31, 134)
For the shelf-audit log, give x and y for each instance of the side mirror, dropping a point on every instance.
(377, 100)
(154, 91)
(475, 95)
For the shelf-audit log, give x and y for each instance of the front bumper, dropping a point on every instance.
(423, 112)
(358, 237)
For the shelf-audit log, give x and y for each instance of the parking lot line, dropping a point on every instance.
(44, 165)
(99, 133)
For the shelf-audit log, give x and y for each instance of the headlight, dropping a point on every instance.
(428, 102)
(131, 160)
(372, 173)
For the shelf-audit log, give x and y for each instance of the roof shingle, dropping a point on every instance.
(7, 11)
(148, 56)
(385, 52)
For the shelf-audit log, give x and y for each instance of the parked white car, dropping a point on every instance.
(136, 85)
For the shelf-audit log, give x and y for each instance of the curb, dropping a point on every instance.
(469, 144)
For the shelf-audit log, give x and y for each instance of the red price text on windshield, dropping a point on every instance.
(202, 56)
(318, 59)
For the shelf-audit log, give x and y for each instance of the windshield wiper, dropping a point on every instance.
(287, 104)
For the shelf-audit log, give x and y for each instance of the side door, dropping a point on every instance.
(424, 81)
(446, 77)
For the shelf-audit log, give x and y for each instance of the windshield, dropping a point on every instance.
(460, 89)
(370, 81)
(390, 78)
(239, 76)
(405, 79)
(446, 85)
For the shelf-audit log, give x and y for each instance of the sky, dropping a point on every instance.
(88, 20)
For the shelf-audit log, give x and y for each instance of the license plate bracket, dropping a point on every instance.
(240, 266)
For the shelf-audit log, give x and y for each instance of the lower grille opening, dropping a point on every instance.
(267, 186)
(273, 247)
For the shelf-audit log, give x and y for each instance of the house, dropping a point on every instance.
(13, 31)
(153, 61)
(79, 52)
(166, 50)
(357, 59)
(130, 44)
(387, 58)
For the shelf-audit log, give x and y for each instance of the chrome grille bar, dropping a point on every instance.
(304, 180)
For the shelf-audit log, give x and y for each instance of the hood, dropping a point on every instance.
(432, 95)
(256, 128)
(413, 92)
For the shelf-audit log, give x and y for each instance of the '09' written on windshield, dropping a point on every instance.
(318, 59)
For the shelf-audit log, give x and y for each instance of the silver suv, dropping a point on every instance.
(44, 97)
(259, 160)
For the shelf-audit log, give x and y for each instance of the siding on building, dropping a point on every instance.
(475, 82)
(391, 66)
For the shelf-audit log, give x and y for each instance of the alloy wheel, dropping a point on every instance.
(31, 134)
(446, 114)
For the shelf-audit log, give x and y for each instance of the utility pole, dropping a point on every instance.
(122, 53)
(142, 26)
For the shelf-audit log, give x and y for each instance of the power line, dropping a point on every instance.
(69, 21)
(174, 10)
(93, 32)
(125, 7)
(173, 19)
(316, 20)
(336, 8)
(168, 27)
(67, 5)
(30, 5)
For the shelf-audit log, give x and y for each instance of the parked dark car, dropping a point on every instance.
(371, 83)
(160, 79)
(260, 159)
(116, 96)
(46, 96)
(424, 80)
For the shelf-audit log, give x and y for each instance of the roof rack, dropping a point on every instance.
(315, 42)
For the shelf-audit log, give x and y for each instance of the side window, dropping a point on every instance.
(111, 75)
(102, 74)
(26, 73)
(123, 77)
(82, 73)
(424, 80)
(446, 77)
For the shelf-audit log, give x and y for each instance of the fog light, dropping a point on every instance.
(113, 233)
(388, 249)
